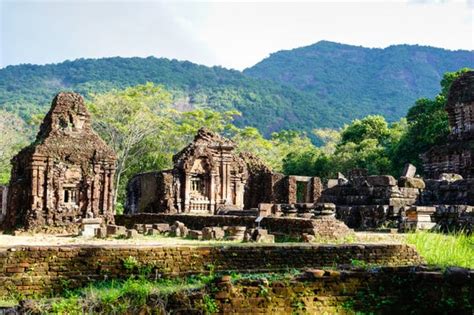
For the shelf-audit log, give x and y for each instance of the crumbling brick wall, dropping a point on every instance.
(39, 270)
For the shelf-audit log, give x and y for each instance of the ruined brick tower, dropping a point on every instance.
(66, 174)
(457, 156)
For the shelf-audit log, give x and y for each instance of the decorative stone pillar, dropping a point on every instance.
(187, 192)
(212, 193)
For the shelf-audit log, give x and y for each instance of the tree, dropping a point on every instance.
(126, 119)
(370, 127)
(14, 136)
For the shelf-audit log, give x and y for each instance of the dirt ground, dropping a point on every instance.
(7, 241)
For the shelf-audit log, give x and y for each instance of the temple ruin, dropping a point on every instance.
(65, 175)
(208, 176)
(457, 155)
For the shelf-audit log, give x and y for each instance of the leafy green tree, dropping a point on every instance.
(126, 119)
(370, 127)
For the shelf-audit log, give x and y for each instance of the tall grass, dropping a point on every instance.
(117, 296)
(444, 250)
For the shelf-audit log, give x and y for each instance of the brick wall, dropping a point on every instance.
(387, 291)
(30, 270)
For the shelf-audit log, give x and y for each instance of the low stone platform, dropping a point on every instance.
(42, 269)
(327, 228)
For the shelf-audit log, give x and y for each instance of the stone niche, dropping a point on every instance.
(66, 174)
(457, 155)
(208, 176)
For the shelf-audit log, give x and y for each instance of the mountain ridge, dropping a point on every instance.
(326, 84)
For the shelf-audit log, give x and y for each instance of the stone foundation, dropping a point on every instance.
(288, 226)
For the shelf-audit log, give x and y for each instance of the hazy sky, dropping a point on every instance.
(234, 35)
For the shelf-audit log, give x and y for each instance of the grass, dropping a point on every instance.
(444, 250)
(118, 296)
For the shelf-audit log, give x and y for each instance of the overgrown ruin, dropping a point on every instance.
(65, 175)
(457, 155)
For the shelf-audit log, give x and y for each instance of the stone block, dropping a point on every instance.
(100, 232)
(213, 233)
(178, 229)
(262, 236)
(140, 228)
(162, 227)
(333, 183)
(265, 209)
(236, 233)
(381, 180)
(132, 233)
(89, 225)
(152, 232)
(411, 182)
(450, 177)
(409, 170)
(116, 230)
(195, 235)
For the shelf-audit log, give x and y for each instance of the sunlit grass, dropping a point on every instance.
(116, 296)
(444, 250)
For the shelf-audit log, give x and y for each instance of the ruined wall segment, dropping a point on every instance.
(66, 174)
(457, 156)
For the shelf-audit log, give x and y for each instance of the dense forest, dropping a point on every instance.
(361, 81)
(325, 85)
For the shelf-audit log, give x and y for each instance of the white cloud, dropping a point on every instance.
(225, 33)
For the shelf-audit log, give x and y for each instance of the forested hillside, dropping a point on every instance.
(362, 81)
(27, 89)
(323, 85)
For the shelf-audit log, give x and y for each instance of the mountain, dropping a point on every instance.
(322, 85)
(29, 89)
(360, 81)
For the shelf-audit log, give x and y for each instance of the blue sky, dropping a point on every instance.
(234, 35)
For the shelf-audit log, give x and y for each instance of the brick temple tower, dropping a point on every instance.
(66, 174)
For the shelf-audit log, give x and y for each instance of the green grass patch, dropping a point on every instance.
(444, 250)
(117, 296)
